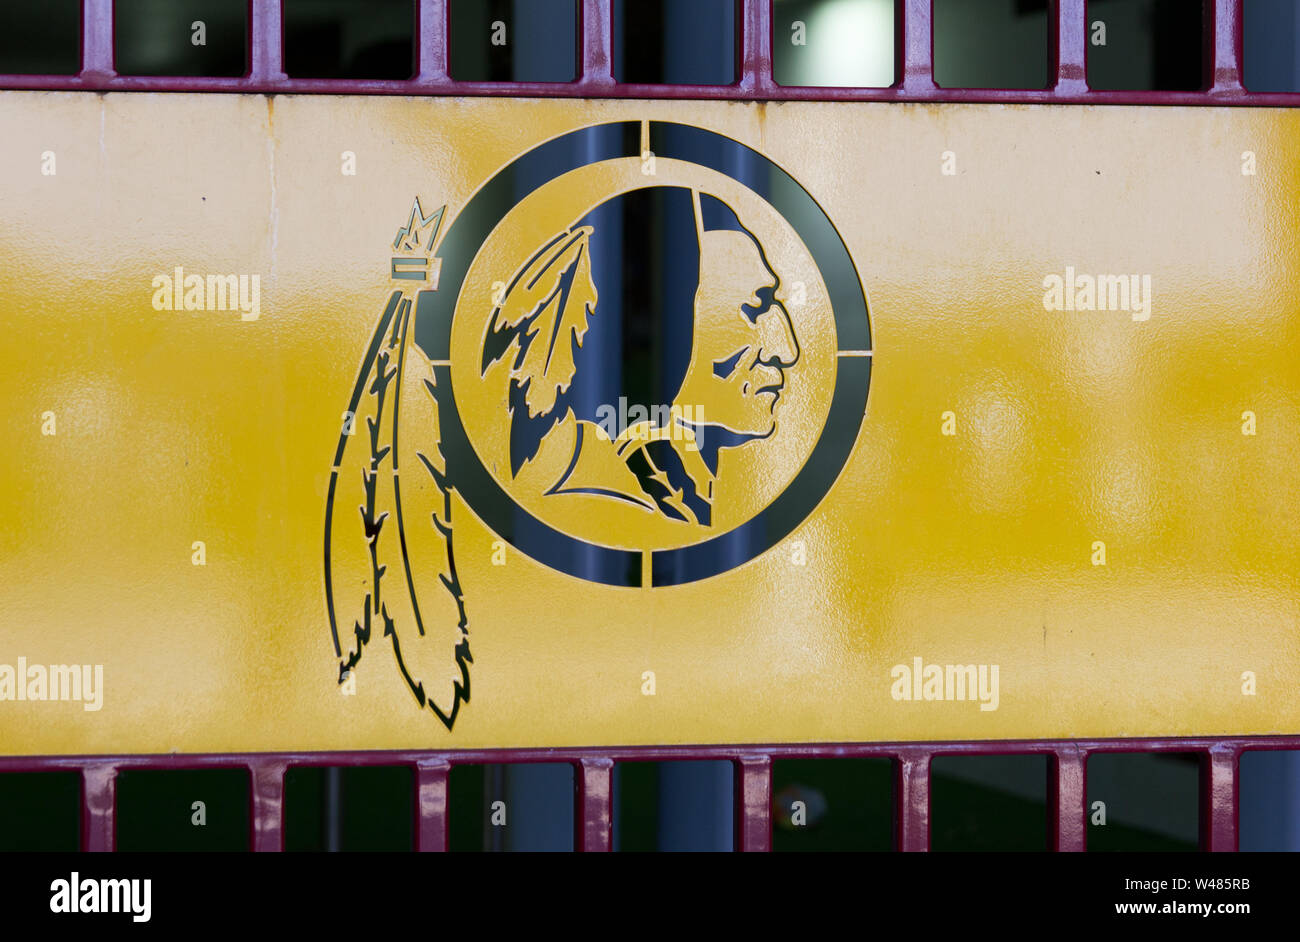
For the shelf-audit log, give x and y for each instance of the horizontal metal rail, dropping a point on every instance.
(913, 60)
(593, 815)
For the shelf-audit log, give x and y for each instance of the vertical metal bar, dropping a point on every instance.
(597, 32)
(595, 804)
(918, 47)
(97, 39)
(1219, 798)
(912, 788)
(754, 803)
(268, 804)
(266, 29)
(333, 809)
(431, 805)
(1071, 46)
(432, 45)
(756, 46)
(1225, 55)
(98, 807)
(1069, 799)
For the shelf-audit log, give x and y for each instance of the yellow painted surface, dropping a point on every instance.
(1071, 428)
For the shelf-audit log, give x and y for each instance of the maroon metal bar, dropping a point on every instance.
(755, 29)
(596, 35)
(431, 43)
(595, 817)
(754, 803)
(1068, 800)
(97, 39)
(912, 801)
(306, 86)
(431, 804)
(266, 41)
(267, 825)
(725, 751)
(1219, 813)
(1071, 30)
(98, 805)
(917, 67)
(1226, 29)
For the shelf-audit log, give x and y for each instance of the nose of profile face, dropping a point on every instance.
(777, 344)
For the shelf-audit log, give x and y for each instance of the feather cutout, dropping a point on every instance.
(543, 317)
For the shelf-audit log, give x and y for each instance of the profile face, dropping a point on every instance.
(743, 339)
(700, 274)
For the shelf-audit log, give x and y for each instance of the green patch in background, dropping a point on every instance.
(156, 810)
(1150, 801)
(524, 806)
(843, 804)
(160, 37)
(40, 811)
(376, 808)
(685, 805)
(988, 803)
(1146, 45)
(636, 806)
(40, 37)
(991, 43)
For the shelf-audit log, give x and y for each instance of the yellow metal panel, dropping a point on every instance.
(1001, 445)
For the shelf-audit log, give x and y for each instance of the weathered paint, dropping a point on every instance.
(1072, 427)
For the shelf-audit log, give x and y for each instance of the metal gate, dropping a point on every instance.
(593, 767)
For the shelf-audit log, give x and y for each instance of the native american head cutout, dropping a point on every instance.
(653, 324)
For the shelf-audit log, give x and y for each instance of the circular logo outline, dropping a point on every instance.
(606, 565)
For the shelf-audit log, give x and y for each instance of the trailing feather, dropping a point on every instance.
(393, 560)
